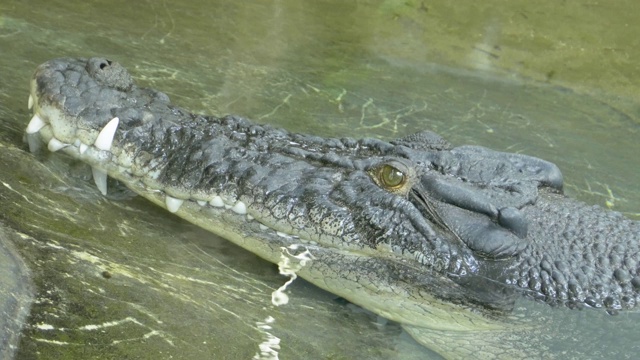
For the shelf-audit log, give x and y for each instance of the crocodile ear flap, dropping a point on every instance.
(492, 241)
(423, 140)
(482, 235)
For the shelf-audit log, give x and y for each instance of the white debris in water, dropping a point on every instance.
(289, 265)
(270, 346)
(43, 326)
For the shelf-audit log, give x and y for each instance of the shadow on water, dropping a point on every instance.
(120, 278)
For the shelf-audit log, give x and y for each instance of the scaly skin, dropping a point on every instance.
(438, 238)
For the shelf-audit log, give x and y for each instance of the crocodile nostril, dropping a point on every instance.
(104, 65)
(109, 73)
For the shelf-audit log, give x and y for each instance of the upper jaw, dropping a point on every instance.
(94, 140)
(96, 143)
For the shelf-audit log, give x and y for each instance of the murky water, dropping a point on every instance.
(119, 278)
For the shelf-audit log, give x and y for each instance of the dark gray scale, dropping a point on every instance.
(423, 140)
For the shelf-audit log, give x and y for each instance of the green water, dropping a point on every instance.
(122, 279)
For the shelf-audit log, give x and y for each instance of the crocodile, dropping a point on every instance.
(442, 239)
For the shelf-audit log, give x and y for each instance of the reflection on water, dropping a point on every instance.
(123, 278)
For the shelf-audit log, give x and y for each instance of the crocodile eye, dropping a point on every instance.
(394, 176)
(391, 177)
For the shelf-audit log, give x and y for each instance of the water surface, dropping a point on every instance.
(118, 278)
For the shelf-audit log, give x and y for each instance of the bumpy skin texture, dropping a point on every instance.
(471, 225)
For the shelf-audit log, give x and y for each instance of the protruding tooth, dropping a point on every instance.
(30, 102)
(35, 143)
(173, 204)
(100, 178)
(83, 148)
(263, 227)
(35, 124)
(105, 137)
(249, 217)
(55, 145)
(239, 208)
(216, 201)
(201, 203)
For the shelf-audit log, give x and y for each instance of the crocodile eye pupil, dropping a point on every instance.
(394, 176)
(391, 177)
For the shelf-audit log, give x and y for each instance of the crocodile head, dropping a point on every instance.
(414, 229)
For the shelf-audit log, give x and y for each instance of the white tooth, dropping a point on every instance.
(55, 145)
(263, 227)
(239, 208)
(173, 204)
(83, 148)
(249, 217)
(100, 178)
(35, 124)
(216, 201)
(201, 203)
(35, 143)
(30, 102)
(281, 234)
(105, 137)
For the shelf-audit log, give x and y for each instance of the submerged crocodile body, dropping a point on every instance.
(441, 239)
